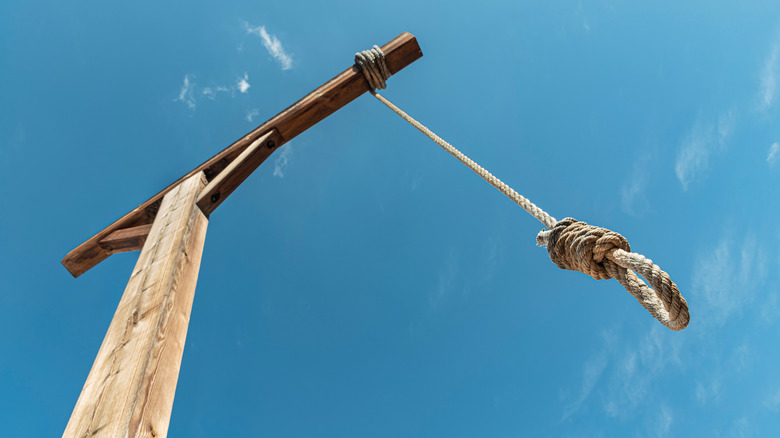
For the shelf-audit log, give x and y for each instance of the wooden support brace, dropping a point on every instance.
(237, 171)
(130, 389)
(125, 240)
(300, 116)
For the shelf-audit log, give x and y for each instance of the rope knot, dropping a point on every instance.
(372, 63)
(604, 254)
(577, 246)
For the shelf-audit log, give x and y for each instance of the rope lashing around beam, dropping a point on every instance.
(372, 63)
(572, 245)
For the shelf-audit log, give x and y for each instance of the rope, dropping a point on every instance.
(571, 244)
(374, 67)
(605, 254)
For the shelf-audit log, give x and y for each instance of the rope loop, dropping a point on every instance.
(605, 254)
(372, 63)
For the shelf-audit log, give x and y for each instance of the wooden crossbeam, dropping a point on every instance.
(300, 116)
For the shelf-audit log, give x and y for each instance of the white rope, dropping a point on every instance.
(572, 244)
(372, 63)
(519, 199)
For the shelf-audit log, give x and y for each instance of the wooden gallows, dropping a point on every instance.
(130, 389)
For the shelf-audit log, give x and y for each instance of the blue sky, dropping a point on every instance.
(362, 282)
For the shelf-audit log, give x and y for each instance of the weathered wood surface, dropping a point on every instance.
(300, 116)
(237, 171)
(126, 239)
(129, 391)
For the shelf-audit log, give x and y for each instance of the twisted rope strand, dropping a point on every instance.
(519, 199)
(572, 244)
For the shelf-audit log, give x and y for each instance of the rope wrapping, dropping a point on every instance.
(571, 244)
(372, 63)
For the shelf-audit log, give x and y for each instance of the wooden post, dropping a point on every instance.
(129, 391)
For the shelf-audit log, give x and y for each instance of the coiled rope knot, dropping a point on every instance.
(577, 246)
(605, 254)
(372, 63)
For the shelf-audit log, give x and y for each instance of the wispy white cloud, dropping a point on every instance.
(772, 401)
(272, 44)
(742, 358)
(243, 84)
(583, 18)
(638, 367)
(664, 421)
(694, 154)
(446, 280)
(774, 152)
(416, 180)
(212, 92)
(282, 161)
(190, 95)
(702, 141)
(633, 191)
(251, 114)
(632, 194)
(741, 427)
(711, 383)
(718, 273)
(709, 390)
(591, 373)
(769, 310)
(492, 257)
(769, 76)
(725, 127)
(187, 93)
(724, 365)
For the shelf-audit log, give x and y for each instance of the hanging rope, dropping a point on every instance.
(572, 244)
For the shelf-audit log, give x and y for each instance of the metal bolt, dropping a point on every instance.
(270, 144)
(215, 197)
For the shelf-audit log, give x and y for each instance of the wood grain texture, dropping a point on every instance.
(126, 239)
(298, 117)
(130, 389)
(237, 171)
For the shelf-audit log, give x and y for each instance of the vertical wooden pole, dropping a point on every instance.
(130, 388)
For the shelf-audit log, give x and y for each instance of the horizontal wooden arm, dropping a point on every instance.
(300, 116)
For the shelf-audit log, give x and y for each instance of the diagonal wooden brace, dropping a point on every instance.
(300, 116)
(232, 176)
